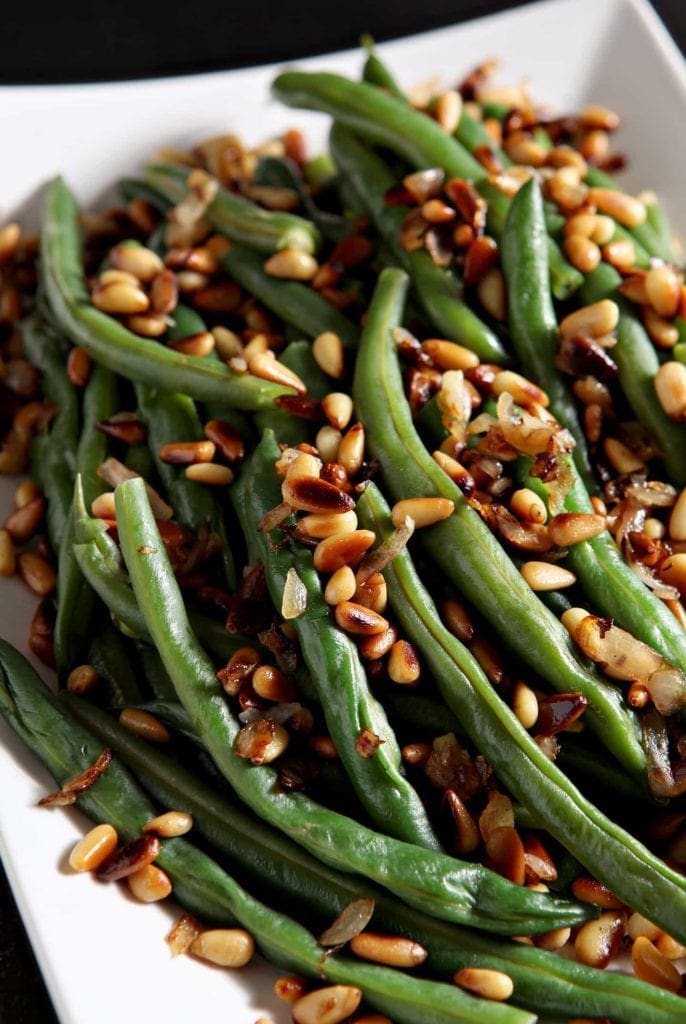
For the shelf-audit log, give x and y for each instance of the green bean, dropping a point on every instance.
(638, 362)
(330, 655)
(284, 173)
(543, 982)
(455, 890)
(75, 598)
(531, 315)
(186, 322)
(65, 747)
(109, 342)
(647, 237)
(108, 654)
(238, 217)
(462, 546)
(439, 290)
(611, 854)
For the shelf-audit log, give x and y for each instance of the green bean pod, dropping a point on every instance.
(109, 656)
(531, 315)
(237, 217)
(109, 342)
(333, 662)
(455, 890)
(463, 547)
(641, 879)
(439, 290)
(638, 362)
(543, 982)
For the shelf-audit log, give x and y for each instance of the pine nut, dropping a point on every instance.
(170, 824)
(590, 890)
(24, 522)
(621, 458)
(403, 663)
(128, 859)
(210, 473)
(329, 1005)
(448, 110)
(595, 116)
(583, 223)
(222, 297)
(593, 321)
(373, 1018)
(455, 470)
(227, 343)
(651, 965)
(654, 528)
(292, 264)
(8, 558)
(572, 527)
(391, 950)
(664, 333)
(543, 576)
(554, 940)
(669, 947)
(90, 852)
(148, 325)
(373, 593)
(82, 679)
(294, 597)
(677, 518)
(150, 884)
(528, 506)
(185, 929)
(103, 506)
(327, 349)
(270, 683)
(416, 753)
(143, 263)
(338, 409)
(37, 573)
(145, 725)
(639, 925)
(327, 442)
(603, 230)
(525, 704)
(266, 366)
(183, 453)
(566, 156)
(623, 208)
(598, 942)
(198, 345)
(484, 982)
(422, 511)
(457, 619)
(261, 741)
(566, 189)
(164, 293)
(633, 288)
(117, 277)
(670, 387)
(492, 293)
(225, 947)
(356, 619)
(10, 235)
(303, 466)
(582, 253)
(663, 290)
(26, 492)
(315, 495)
(350, 453)
(435, 211)
(78, 366)
(323, 747)
(342, 549)
(448, 355)
(341, 586)
(378, 645)
(524, 391)
(119, 297)
(672, 572)
(621, 254)
(290, 988)
(319, 526)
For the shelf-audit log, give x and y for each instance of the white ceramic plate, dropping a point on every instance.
(103, 956)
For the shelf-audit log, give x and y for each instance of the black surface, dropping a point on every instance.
(81, 41)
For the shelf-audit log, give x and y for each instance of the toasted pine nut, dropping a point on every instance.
(522, 390)
(292, 264)
(350, 453)
(640, 925)
(311, 494)
(670, 387)
(492, 293)
(170, 824)
(266, 366)
(301, 465)
(416, 753)
(341, 586)
(448, 110)
(355, 618)
(669, 947)
(567, 156)
(655, 528)
(10, 235)
(211, 473)
(620, 253)
(485, 982)
(117, 277)
(90, 852)
(448, 355)
(78, 366)
(327, 442)
(324, 747)
(590, 890)
(129, 858)
(377, 645)
(603, 230)
(200, 344)
(664, 333)
(392, 950)
(672, 572)
(528, 506)
(270, 683)
(320, 526)
(457, 620)
(103, 506)
(677, 518)
(403, 663)
(8, 558)
(143, 724)
(138, 260)
(663, 290)
(327, 349)
(150, 884)
(290, 988)
(435, 211)
(525, 704)
(120, 297)
(597, 942)
(572, 527)
(583, 223)
(24, 522)
(148, 325)
(554, 940)
(329, 1005)
(651, 965)
(423, 511)
(226, 947)
(227, 343)
(82, 679)
(595, 116)
(582, 253)
(37, 573)
(455, 470)
(622, 207)
(261, 741)
(622, 458)
(542, 576)
(342, 549)
(338, 409)
(595, 320)
(184, 453)
(26, 492)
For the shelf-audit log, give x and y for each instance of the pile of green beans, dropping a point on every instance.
(165, 641)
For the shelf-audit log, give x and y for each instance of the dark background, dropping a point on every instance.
(99, 41)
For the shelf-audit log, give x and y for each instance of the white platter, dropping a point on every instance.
(103, 956)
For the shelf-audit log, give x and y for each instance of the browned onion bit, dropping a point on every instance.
(73, 787)
(352, 920)
(129, 858)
